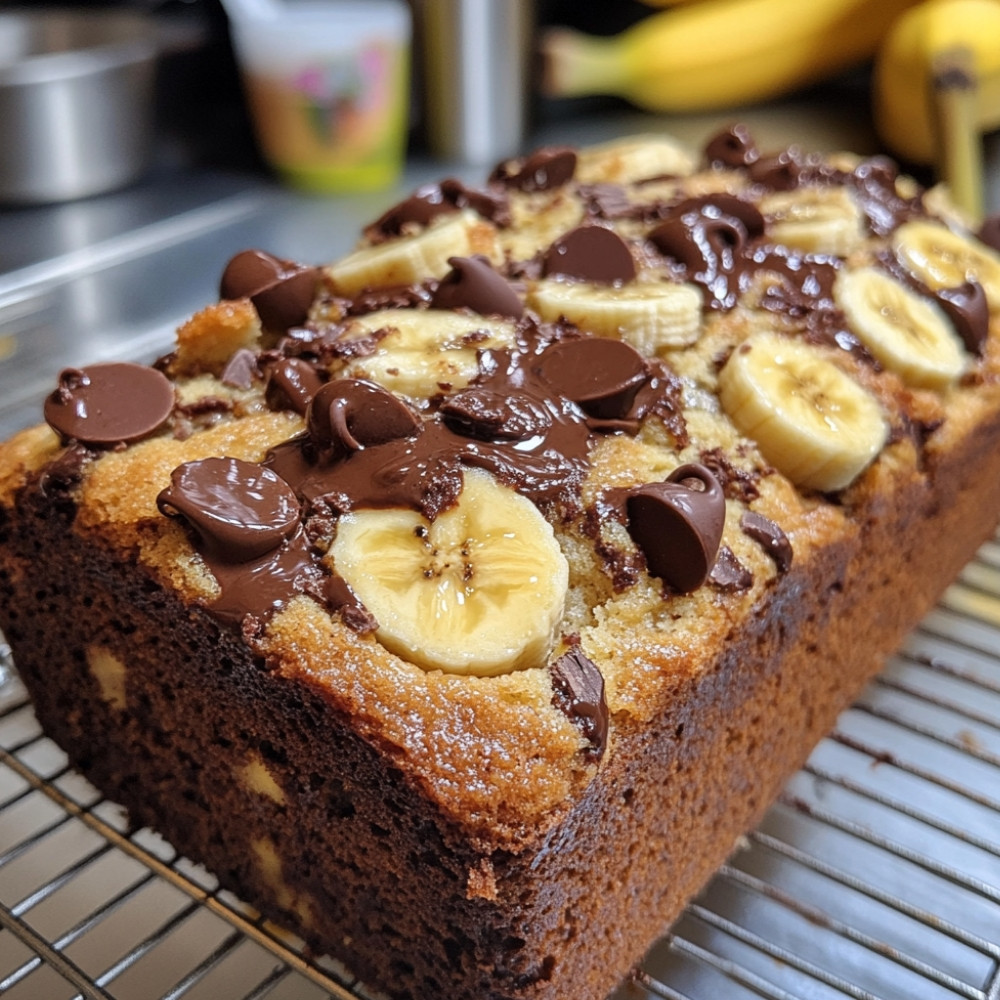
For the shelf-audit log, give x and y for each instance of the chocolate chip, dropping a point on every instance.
(728, 573)
(578, 692)
(348, 414)
(108, 404)
(733, 147)
(969, 312)
(281, 290)
(677, 528)
(603, 376)
(543, 170)
(780, 172)
(291, 384)
(590, 253)
(241, 369)
(769, 536)
(472, 283)
(237, 510)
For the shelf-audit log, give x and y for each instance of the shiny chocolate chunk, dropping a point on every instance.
(779, 172)
(472, 283)
(108, 404)
(291, 384)
(578, 692)
(602, 376)
(238, 511)
(678, 524)
(732, 147)
(728, 573)
(543, 170)
(590, 253)
(489, 415)
(969, 312)
(349, 414)
(281, 290)
(241, 369)
(770, 537)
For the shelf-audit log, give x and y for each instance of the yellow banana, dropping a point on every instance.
(910, 80)
(718, 53)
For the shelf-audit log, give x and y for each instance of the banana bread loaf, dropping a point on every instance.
(459, 604)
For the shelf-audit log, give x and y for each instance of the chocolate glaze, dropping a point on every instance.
(770, 537)
(590, 253)
(472, 283)
(543, 170)
(678, 525)
(578, 692)
(105, 405)
(281, 290)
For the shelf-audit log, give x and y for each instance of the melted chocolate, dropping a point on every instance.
(106, 405)
(728, 573)
(543, 170)
(969, 312)
(603, 376)
(241, 369)
(472, 283)
(733, 147)
(291, 384)
(590, 253)
(578, 692)
(770, 537)
(281, 290)
(236, 510)
(678, 525)
(429, 202)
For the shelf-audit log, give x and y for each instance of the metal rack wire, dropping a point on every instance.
(876, 876)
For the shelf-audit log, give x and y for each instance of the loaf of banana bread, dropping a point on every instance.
(460, 604)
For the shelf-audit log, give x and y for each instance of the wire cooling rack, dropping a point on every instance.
(876, 875)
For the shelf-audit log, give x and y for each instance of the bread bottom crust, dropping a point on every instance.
(257, 777)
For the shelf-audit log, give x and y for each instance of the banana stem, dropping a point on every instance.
(956, 107)
(574, 64)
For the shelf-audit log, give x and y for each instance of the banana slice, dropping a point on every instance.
(941, 258)
(817, 220)
(638, 158)
(811, 421)
(480, 590)
(908, 334)
(424, 352)
(409, 259)
(650, 317)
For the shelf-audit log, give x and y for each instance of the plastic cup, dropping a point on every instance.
(328, 89)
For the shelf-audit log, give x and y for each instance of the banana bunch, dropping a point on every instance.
(718, 53)
(936, 89)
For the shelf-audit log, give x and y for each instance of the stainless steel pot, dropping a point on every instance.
(76, 102)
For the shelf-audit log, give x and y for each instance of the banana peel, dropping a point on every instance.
(936, 90)
(718, 53)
